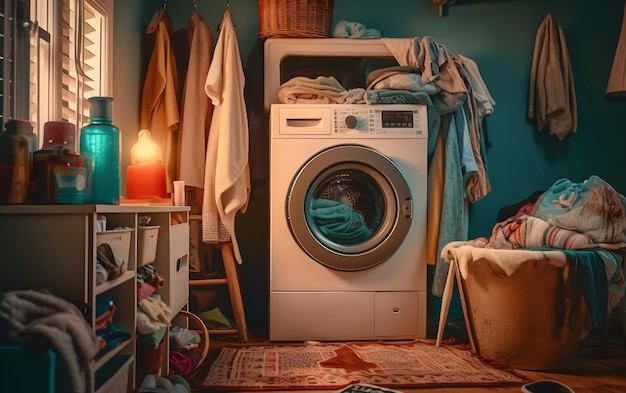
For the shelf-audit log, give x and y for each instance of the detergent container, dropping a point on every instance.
(17, 143)
(100, 148)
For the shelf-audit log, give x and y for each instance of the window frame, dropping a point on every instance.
(33, 90)
(15, 50)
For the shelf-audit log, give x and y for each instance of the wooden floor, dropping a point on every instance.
(600, 368)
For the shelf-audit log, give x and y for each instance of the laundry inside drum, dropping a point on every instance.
(347, 207)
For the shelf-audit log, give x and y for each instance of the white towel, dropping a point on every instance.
(227, 174)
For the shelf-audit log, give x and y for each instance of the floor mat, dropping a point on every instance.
(316, 365)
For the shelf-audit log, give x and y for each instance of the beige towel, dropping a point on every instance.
(197, 109)
(227, 174)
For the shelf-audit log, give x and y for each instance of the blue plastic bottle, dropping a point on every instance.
(100, 148)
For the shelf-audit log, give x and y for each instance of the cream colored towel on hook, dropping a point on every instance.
(227, 174)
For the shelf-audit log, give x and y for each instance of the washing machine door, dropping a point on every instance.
(349, 207)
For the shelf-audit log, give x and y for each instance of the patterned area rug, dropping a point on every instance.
(335, 365)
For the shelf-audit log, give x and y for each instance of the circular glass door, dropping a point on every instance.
(349, 207)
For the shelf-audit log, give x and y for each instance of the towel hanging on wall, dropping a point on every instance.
(616, 87)
(227, 174)
(552, 97)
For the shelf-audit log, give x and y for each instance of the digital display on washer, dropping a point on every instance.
(397, 119)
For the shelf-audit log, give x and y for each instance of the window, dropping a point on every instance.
(14, 32)
(55, 59)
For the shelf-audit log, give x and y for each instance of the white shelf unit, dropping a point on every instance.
(172, 262)
(54, 247)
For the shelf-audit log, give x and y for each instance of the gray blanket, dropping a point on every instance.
(32, 317)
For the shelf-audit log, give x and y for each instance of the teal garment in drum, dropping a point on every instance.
(338, 222)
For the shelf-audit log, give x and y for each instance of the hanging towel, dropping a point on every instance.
(551, 97)
(451, 225)
(227, 174)
(477, 185)
(196, 106)
(159, 106)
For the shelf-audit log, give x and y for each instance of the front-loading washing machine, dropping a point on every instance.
(347, 222)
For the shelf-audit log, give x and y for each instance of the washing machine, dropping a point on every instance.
(347, 222)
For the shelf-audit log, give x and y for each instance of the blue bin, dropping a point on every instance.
(27, 371)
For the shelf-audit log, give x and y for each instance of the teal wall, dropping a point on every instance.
(499, 35)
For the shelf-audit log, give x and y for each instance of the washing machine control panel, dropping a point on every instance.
(377, 119)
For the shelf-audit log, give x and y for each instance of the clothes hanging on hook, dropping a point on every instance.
(196, 114)
(196, 108)
(159, 103)
(227, 175)
(156, 19)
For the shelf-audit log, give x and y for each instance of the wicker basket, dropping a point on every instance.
(195, 323)
(295, 18)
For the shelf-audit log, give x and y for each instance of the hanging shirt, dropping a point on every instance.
(159, 106)
(196, 109)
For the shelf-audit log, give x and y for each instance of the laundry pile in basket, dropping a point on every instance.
(585, 221)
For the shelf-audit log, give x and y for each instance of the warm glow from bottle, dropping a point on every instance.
(145, 151)
(145, 178)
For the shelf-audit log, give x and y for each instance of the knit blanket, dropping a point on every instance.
(37, 318)
(593, 208)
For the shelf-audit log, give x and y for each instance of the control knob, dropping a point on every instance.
(351, 121)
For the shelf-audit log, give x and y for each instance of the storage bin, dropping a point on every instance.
(147, 239)
(119, 240)
(27, 371)
(532, 319)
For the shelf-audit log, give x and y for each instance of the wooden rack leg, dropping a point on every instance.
(234, 289)
(445, 301)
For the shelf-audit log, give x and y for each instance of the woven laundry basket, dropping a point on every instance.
(295, 18)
